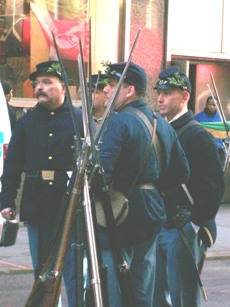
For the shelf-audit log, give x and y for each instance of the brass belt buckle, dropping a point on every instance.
(47, 175)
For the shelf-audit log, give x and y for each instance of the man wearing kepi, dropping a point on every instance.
(98, 82)
(191, 209)
(132, 167)
(42, 147)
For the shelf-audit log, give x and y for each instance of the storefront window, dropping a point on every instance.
(26, 38)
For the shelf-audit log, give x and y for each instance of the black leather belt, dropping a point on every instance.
(47, 175)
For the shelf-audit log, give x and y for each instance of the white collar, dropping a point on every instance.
(179, 115)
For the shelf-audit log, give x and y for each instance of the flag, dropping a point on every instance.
(217, 129)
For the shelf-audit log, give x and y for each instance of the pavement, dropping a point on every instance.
(16, 259)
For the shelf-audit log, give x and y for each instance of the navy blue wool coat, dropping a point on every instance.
(42, 140)
(122, 152)
(206, 182)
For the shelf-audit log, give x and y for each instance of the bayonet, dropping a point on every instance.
(220, 109)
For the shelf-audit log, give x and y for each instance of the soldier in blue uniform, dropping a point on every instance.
(122, 152)
(42, 147)
(191, 209)
(98, 82)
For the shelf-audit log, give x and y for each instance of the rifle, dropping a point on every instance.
(47, 263)
(50, 282)
(123, 270)
(93, 250)
(220, 109)
(42, 281)
(109, 109)
(82, 184)
(56, 274)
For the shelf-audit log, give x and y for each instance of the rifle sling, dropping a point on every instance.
(123, 277)
(154, 140)
(189, 124)
(197, 271)
(187, 246)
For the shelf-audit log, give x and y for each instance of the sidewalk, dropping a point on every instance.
(221, 248)
(16, 259)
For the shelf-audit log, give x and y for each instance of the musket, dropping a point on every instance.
(214, 99)
(219, 104)
(50, 276)
(56, 274)
(93, 250)
(197, 269)
(123, 269)
(221, 112)
(73, 205)
(48, 261)
(77, 137)
(89, 64)
(68, 222)
(68, 96)
(95, 88)
(53, 281)
(109, 109)
(43, 280)
(185, 241)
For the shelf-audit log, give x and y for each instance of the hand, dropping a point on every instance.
(8, 213)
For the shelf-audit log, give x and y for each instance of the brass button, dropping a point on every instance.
(50, 134)
(50, 158)
(52, 113)
(51, 183)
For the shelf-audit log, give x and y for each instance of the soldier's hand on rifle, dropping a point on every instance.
(8, 213)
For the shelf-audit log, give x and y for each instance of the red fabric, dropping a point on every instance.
(26, 34)
(67, 37)
(67, 32)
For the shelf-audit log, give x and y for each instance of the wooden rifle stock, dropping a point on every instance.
(46, 289)
(43, 282)
(49, 258)
(52, 297)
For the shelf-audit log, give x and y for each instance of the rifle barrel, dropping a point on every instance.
(65, 79)
(220, 106)
(104, 122)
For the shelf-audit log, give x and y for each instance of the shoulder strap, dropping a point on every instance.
(207, 232)
(152, 130)
(189, 124)
(179, 132)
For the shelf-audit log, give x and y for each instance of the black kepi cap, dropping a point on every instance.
(135, 74)
(52, 68)
(99, 81)
(173, 78)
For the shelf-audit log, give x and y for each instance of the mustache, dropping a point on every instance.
(40, 93)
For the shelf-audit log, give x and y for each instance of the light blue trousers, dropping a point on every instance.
(38, 237)
(141, 259)
(176, 281)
